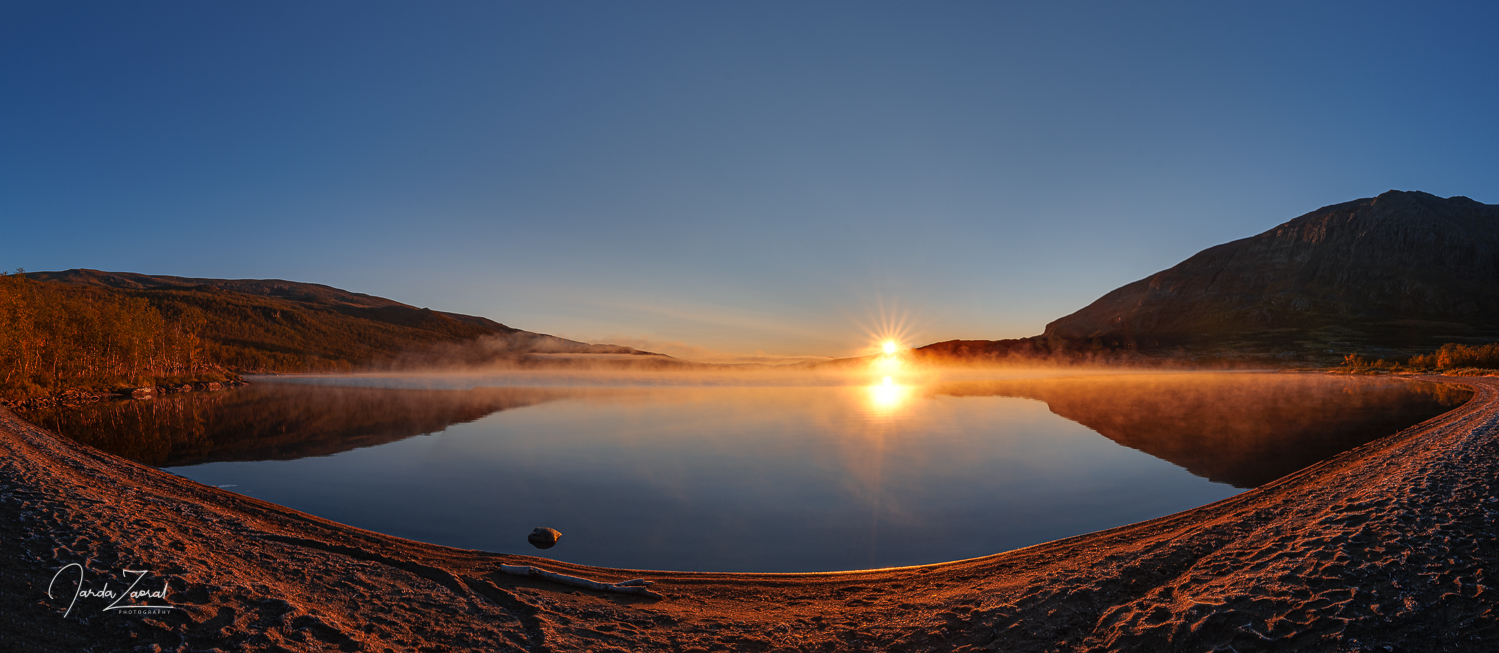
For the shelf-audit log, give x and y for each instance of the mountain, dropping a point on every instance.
(1400, 273)
(307, 295)
(277, 325)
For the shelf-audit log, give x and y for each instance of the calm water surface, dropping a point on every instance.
(658, 472)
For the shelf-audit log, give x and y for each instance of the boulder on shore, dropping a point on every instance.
(544, 538)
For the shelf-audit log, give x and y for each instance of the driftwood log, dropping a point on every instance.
(637, 586)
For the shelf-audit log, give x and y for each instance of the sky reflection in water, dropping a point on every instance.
(740, 477)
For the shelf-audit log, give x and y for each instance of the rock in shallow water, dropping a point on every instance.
(544, 538)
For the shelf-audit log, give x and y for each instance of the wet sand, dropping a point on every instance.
(1387, 547)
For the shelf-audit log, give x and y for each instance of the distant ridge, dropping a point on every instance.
(289, 326)
(1395, 274)
(307, 294)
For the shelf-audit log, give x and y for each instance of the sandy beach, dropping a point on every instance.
(1383, 548)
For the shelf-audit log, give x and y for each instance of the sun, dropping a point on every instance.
(887, 331)
(890, 359)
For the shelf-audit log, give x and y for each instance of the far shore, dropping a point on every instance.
(1387, 547)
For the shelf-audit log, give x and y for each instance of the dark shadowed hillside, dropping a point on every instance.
(275, 293)
(275, 325)
(1400, 274)
(1403, 271)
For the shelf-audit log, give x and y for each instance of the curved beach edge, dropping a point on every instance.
(1382, 548)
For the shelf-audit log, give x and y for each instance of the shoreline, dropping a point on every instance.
(1385, 545)
(76, 397)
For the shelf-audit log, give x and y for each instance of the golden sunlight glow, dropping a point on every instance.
(887, 396)
(887, 330)
(886, 357)
(890, 361)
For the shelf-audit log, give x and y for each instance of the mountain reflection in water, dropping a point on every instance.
(1244, 430)
(275, 421)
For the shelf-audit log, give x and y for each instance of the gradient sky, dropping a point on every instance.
(752, 178)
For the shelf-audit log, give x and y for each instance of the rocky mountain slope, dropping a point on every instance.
(1404, 271)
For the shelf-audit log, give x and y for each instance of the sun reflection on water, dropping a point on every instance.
(887, 396)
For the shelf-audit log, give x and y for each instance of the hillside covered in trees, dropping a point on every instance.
(1451, 358)
(108, 330)
(55, 336)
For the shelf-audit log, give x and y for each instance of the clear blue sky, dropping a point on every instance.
(747, 178)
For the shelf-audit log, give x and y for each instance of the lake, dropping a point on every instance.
(752, 472)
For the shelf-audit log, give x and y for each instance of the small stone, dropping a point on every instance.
(544, 538)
